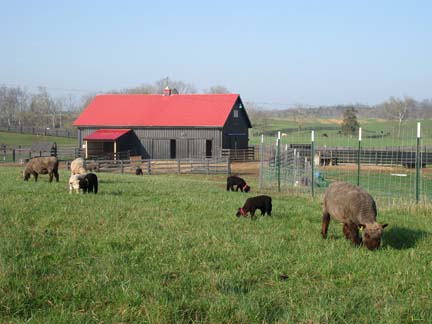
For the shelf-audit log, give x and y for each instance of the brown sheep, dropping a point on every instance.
(78, 166)
(354, 208)
(42, 165)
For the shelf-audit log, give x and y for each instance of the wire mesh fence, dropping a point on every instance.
(393, 169)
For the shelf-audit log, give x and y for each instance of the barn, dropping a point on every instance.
(163, 126)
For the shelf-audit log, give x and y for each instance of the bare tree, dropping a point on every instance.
(44, 108)
(85, 101)
(13, 104)
(398, 109)
(180, 86)
(217, 89)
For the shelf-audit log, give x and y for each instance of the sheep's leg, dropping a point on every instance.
(50, 176)
(56, 174)
(351, 233)
(268, 208)
(252, 212)
(355, 239)
(325, 224)
(347, 232)
(35, 175)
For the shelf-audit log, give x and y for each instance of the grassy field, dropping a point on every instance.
(370, 127)
(25, 140)
(168, 249)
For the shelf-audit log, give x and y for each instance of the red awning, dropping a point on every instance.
(106, 134)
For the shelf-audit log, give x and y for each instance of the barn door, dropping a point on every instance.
(209, 148)
(173, 149)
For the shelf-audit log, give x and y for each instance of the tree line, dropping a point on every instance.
(19, 107)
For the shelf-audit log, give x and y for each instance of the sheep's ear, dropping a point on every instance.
(362, 226)
(384, 225)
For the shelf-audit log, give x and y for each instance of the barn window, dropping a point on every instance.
(235, 113)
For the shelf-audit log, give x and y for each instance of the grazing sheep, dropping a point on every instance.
(263, 203)
(354, 208)
(74, 182)
(87, 182)
(42, 165)
(138, 171)
(78, 166)
(237, 181)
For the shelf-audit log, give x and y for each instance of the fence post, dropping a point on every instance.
(278, 161)
(229, 166)
(178, 166)
(418, 164)
(312, 162)
(13, 155)
(149, 167)
(261, 162)
(359, 156)
(121, 166)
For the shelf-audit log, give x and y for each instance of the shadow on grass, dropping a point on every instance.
(401, 238)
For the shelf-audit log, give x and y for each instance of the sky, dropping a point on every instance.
(278, 53)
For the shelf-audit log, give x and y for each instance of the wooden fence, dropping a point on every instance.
(248, 154)
(60, 132)
(22, 154)
(179, 166)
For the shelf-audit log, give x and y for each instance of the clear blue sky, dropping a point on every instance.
(305, 52)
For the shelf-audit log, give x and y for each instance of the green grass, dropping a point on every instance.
(369, 127)
(25, 140)
(168, 249)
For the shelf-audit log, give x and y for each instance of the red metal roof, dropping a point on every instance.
(106, 134)
(158, 110)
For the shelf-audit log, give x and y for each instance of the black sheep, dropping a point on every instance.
(138, 171)
(239, 182)
(89, 183)
(263, 203)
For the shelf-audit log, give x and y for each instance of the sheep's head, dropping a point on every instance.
(26, 175)
(246, 188)
(74, 183)
(372, 234)
(241, 212)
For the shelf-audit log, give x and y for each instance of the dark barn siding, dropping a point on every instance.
(236, 131)
(129, 142)
(155, 142)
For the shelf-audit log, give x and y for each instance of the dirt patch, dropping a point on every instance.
(331, 121)
(245, 168)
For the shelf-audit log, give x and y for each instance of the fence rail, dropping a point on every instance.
(60, 132)
(248, 154)
(22, 154)
(151, 167)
